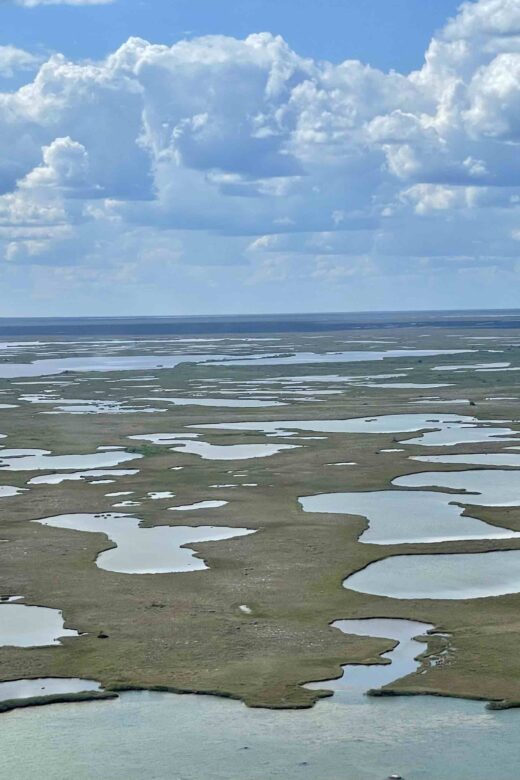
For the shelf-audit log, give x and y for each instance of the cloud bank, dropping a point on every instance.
(223, 152)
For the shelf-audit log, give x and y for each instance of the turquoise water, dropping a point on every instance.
(350, 737)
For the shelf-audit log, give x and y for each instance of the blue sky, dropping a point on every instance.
(258, 156)
(384, 33)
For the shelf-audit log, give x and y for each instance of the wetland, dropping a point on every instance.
(243, 565)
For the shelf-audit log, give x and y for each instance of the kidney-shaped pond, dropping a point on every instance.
(455, 576)
(408, 516)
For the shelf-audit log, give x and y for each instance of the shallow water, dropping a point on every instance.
(464, 434)
(484, 459)
(26, 626)
(51, 366)
(103, 408)
(437, 401)
(160, 495)
(56, 479)
(447, 429)
(403, 385)
(353, 356)
(44, 686)
(406, 517)
(230, 403)
(164, 438)
(6, 491)
(139, 550)
(186, 443)
(365, 677)
(456, 576)
(231, 451)
(485, 488)
(44, 461)
(349, 737)
(470, 366)
(198, 505)
(85, 406)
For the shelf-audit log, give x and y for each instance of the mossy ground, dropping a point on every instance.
(185, 632)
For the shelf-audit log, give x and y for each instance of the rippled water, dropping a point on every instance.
(349, 737)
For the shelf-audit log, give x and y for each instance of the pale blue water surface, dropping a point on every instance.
(350, 737)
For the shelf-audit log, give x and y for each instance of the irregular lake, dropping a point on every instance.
(25, 626)
(51, 366)
(349, 737)
(353, 356)
(157, 550)
(186, 443)
(485, 488)
(446, 429)
(44, 460)
(44, 686)
(485, 459)
(198, 505)
(406, 517)
(457, 576)
(365, 677)
(6, 491)
(56, 479)
(230, 403)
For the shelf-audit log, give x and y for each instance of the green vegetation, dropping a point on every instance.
(186, 632)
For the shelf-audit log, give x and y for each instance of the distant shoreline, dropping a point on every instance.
(221, 325)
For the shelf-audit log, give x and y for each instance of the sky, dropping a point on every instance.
(258, 156)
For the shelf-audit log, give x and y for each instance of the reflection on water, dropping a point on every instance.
(484, 459)
(42, 460)
(486, 488)
(186, 443)
(364, 677)
(45, 686)
(455, 576)
(26, 626)
(407, 516)
(445, 430)
(140, 550)
(349, 737)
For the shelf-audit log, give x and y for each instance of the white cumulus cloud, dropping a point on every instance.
(234, 152)
(13, 60)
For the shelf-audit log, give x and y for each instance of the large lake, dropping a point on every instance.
(350, 737)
